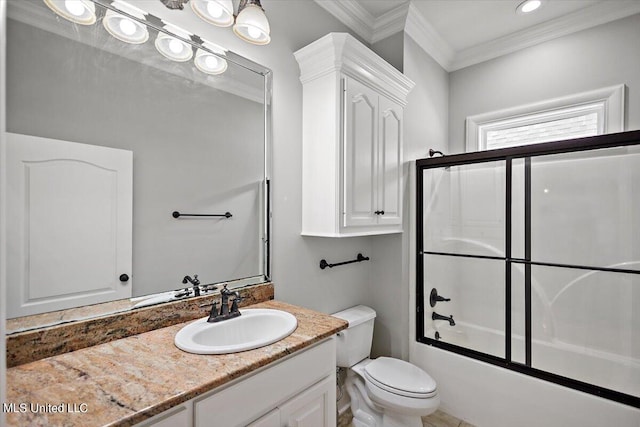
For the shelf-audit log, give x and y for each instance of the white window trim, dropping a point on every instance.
(609, 102)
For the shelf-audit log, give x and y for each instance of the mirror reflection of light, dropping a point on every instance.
(127, 27)
(214, 9)
(176, 46)
(75, 7)
(211, 61)
(81, 12)
(124, 28)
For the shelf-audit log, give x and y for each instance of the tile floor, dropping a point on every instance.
(437, 419)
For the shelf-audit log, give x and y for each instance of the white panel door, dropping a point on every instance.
(315, 407)
(390, 163)
(69, 221)
(360, 154)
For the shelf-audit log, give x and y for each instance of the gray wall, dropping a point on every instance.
(425, 126)
(391, 49)
(598, 57)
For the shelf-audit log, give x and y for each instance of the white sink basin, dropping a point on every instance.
(256, 327)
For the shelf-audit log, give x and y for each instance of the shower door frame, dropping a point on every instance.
(508, 155)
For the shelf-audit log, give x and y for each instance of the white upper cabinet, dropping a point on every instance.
(352, 139)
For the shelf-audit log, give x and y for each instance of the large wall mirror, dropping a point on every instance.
(136, 155)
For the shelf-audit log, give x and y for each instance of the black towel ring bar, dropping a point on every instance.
(177, 214)
(324, 264)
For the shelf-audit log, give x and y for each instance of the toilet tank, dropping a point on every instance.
(354, 343)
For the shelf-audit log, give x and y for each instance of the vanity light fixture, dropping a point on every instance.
(216, 12)
(123, 28)
(209, 63)
(81, 12)
(251, 23)
(528, 6)
(172, 47)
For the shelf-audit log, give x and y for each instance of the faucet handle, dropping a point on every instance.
(434, 298)
(236, 300)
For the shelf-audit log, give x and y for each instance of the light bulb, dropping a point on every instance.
(127, 26)
(75, 7)
(211, 61)
(214, 9)
(176, 46)
(254, 32)
(531, 6)
(528, 6)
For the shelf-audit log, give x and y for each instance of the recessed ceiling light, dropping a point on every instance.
(528, 6)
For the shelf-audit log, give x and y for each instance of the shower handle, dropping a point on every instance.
(434, 298)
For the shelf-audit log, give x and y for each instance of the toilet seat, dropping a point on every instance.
(400, 378)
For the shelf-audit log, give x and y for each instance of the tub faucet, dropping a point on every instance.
(436, 316)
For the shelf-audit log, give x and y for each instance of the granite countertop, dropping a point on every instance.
(126, 381)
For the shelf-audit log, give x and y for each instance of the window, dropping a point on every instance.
(584, 114)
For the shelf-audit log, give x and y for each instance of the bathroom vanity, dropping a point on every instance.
(145, 380)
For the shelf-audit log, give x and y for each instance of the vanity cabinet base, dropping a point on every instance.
(298, 390)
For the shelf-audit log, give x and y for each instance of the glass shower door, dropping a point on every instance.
(463, 259)
(529, 258)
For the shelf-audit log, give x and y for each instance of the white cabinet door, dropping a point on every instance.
(241, 403)
(69, 216)
(179, 416)
(389, 205)
(360, 154)
(315, 407)
(272, 419)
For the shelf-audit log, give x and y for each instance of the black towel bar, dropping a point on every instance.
(177, 214)
(324, 264)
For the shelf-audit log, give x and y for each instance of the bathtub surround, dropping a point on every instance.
(122, 388)
(29, 346)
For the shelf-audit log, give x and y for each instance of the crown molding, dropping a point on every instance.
(598, 14)
(390, 23)
(342, 53)
(365, 25)
(408, 18)
(351, 14)
(426, 36)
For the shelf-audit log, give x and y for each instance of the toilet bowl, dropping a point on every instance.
(384, 392)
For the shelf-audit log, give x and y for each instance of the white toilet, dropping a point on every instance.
(384, 392)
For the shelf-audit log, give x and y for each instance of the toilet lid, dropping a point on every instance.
(400, 377)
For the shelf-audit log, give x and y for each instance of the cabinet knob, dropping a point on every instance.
(379, 212)
(124, 278)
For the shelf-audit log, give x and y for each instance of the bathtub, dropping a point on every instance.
(596, 367)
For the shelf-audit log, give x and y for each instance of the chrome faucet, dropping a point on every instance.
(225, 312)
(436, 316)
